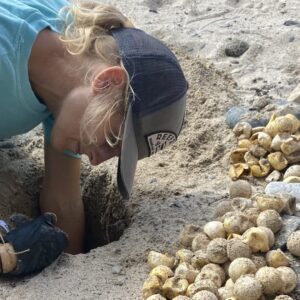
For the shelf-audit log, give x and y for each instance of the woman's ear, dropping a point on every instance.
(110, 76)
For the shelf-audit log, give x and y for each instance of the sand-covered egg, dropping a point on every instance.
(151, 286)
(222, 208)
(252, 214)
(199, 259)
(259, 260)
(241, 204)
(210, 275)
(204, 295)
(270, 280)
(162, 272)
(157, 259)
(174, 286)
(203, 285)
(289, 279)
(240, 188)
(200, 242)
(247, 287)
(182, 298)
(214, 229)
(241, 266)
(271, 219)
(237, 248)
(276, 258)
(225, 293)
(214, 268)
(236, 222)
(216, 251)
(186, 271)
(184, 255)
(156, 297)
(293, 243)
(283, 297)
(188, 234)
(265, 202)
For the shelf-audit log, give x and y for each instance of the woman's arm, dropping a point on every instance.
(61, 195)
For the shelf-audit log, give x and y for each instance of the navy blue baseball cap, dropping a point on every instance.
(156, 107)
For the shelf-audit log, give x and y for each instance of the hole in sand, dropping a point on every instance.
(21, 173)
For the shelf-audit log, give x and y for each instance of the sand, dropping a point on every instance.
(182, 184)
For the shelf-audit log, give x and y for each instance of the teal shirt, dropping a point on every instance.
(20, 23)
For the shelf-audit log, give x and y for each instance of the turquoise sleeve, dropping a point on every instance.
(48, 125)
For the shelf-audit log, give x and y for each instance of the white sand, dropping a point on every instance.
(180, 185)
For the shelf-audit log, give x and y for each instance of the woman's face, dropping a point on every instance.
(66, 130)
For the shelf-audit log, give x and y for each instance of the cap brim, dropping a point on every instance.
(128, 158)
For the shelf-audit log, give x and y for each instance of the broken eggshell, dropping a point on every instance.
(242, 130)
(265, 202)
(257, 239)
(262, 169)
(290, 145)
(237, 170)
(277, 160)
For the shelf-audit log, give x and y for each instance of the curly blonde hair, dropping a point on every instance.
(86, 34)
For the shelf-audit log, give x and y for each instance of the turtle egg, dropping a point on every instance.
(265, 202)
(216, 251)
(270, 234)
(184, 255)
(240, 188)
(162, 272)
(214, 268)
(151, 286)
(225, 293)
(293, 243)
(222, 208)
(247, 288)
(185, 271)
(156, 297)
(203, 285)
(210, 275)
(276, 258)
(257, 239)
(174, 286)
(289, 279)
(236, 223)
(240, 204)
(241, 266)
(204, 295)
(214, 229)
(237, 248)
(283, 297)
(200, 242)
(271, 219)
(156, 259)
(199, 259)
(270, 280)
(187, 235)
(259, 260)
(181, 298)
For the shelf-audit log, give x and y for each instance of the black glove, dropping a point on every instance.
(44, 242)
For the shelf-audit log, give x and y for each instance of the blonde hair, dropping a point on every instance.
(86, 34)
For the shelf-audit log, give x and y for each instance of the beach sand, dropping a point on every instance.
(182, 184)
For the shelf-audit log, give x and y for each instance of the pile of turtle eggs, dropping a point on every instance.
(229, 258)
(267, 151)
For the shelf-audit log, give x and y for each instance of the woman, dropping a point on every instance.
(101, 87)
